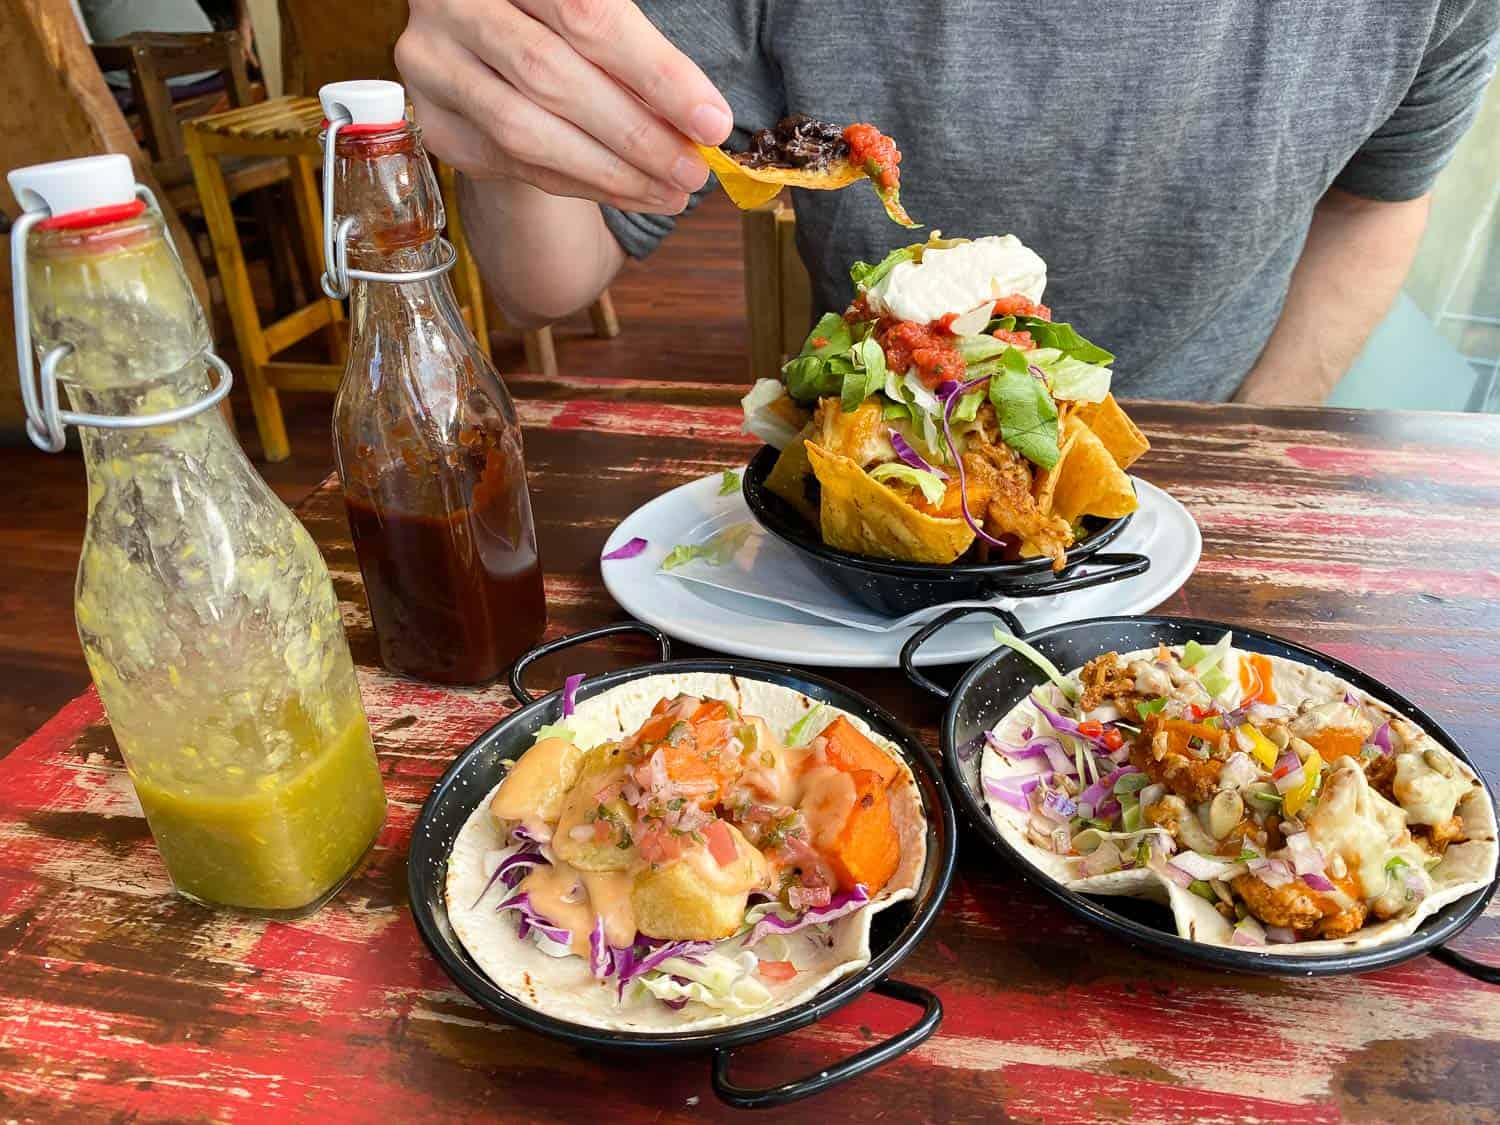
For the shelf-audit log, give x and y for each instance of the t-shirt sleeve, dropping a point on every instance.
(724, 39)
(1403, 157)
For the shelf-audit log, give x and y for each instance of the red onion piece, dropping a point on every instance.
(963, 496)
(570, 691)
(1317, 882)
(1012, 790)
(911, 457)
(628, 551)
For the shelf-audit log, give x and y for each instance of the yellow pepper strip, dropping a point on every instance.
(1262, 747)
(1291, 803)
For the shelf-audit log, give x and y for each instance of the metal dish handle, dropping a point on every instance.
(1082, 575)
(527, 659)
(939, 623)
(749, 1097)
(1485, 974)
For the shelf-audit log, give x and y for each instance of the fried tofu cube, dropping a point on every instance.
(694, 897)
(593, 834)
(538, 782)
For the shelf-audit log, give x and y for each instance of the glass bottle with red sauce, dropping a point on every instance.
(426, 436)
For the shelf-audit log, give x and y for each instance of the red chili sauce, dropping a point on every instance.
(876, 153)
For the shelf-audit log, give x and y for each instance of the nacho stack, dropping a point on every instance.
(800, 151)
(945, 415)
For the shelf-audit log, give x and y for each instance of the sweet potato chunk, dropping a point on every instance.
(849, 751)
(866, 849)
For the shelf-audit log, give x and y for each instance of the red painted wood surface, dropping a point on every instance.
(1370, 536)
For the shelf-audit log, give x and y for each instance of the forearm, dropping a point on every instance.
(1357, 254)
(542, 256)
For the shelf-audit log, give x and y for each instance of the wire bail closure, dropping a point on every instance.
(337, 276)
(44, 419)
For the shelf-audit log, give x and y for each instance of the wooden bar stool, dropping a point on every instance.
(778, 292)
(289, 127)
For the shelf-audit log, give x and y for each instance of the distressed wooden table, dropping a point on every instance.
(1370, 536)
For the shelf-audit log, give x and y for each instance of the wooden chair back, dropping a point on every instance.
(325, 42)
(150, 58)
(778, 291)
(54, 104)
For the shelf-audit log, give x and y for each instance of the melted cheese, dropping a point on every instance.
(1358, 824)
(1427, 795)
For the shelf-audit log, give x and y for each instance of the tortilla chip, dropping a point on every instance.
(1086, 481)
(861, 515)
(755, 187)
(788, 478)
(1119, 434)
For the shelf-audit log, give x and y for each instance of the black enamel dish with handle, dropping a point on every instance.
(896, 930)
(990, 688)
(898, 588)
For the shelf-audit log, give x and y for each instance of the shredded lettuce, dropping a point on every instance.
(865, 275)
(1049, 334)
(730, 484)
(866, 374)
(977, 349)
(1026, 413)
(813, 374)
(933, 489)
(555, 730)
(1073, 380)
(716, 550)
(1216, 682)
(968, 406)
(1197, 658)
(763, 418)
(725, 982)
(800, 731)
(1149, 706)
(1064, 685)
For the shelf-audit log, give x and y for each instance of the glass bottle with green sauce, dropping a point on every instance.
(205, 611)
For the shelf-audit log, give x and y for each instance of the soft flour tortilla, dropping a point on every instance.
(1465, 867)
(564, 987)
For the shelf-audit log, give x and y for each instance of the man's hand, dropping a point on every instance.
(1357, 254)
(578, 98)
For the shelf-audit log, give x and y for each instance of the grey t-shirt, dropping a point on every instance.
(1164, 158)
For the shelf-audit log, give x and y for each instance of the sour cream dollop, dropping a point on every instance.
(959, 279)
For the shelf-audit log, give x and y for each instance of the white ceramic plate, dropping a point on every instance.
(731, 622)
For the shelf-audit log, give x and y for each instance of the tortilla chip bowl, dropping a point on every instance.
(898, 588)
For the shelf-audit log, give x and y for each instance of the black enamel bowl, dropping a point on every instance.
(992, 687)
(898, 588)
(896, 930)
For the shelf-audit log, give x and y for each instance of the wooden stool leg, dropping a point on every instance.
(285, 284)
(602, 313)
(239, 299)
(310, 226)
(541, 356)
(468, 286)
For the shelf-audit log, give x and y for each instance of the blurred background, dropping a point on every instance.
(210, 100)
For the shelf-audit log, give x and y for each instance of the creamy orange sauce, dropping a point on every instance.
(550, 888)
(827, 800)
(609, 899)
